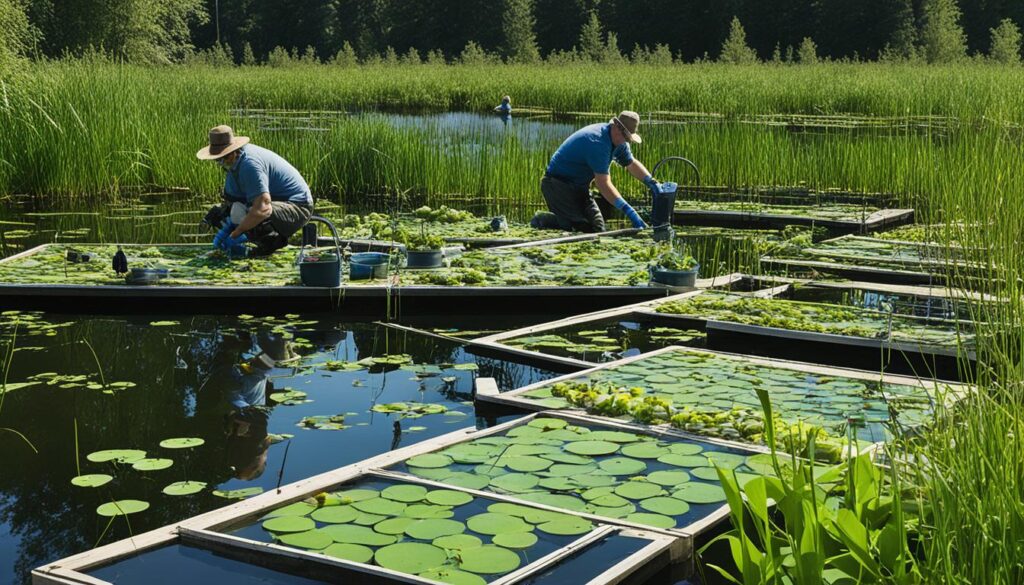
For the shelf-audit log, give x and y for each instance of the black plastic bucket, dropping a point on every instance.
(423, 258)
(324, 271)
(681, 278)
(664, 204)
(365, 265)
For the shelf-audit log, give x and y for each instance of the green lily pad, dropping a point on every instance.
(335, 514)
(293, 509)
(556, 500)
(594, 480)
(570, 470)
(434, 528)
(466, 367)
(684, 460)
(609, 501)
(364, 519)
(121, 508)
(622, 466)
(685, 448)
(515, 539)
(655, 520)
(592, 448)
(380, 506)
(289, 524)
(429, 460)
(489, 559)
(404, 493)
(669, 477)
(356, 553)
(453, 576)
(457, 542)
(567, 527)
(91, 480)
(619, 512)
(559, 484)
(163, 323)
(394, 525)
(116, 455)
(425, 511)
(725, 460)
(665, 506)
(491, 524)
(355, 534)
(448, 498)
(239, 493)
(152, 464)
(181, 443)
(410, 557)
(613, 436)
(569, 458)
(548, 423)
(434, 474)
(644, 450)
(469, 481)
(700, 493)
(597, 492)
(184, 488)
(638, 490)
(315, 539)
(526, 463)
(515, 482)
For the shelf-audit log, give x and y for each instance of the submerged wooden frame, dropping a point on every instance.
(515, 398)
(873, 221)
(203, 531)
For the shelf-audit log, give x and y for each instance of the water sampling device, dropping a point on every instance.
(664, 201)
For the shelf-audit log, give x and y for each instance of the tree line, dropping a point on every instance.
(271, 31)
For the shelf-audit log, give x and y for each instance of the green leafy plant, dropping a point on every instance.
(841, 525)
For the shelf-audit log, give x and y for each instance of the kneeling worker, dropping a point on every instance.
(266, 200)
(584, 157)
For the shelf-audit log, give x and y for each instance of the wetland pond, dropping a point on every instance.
(333, 399)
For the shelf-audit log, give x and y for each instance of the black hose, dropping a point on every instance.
(696, 171)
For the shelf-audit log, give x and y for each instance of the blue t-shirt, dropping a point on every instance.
(259, 171)
(586, 153)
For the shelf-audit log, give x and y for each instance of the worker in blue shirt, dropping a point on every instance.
(266, 199)
(505, 107)
(584, 157)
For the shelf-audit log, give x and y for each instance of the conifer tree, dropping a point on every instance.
(808, 52)
(942, 38)
(590, 46)
(735, 49)
(520, 42)
(1006, 43)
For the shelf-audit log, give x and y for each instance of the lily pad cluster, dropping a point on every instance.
(610, 473)
(138, 460)
(605, 342)
(715, 395)
(442, 534)
(450, 224)
(821, 318)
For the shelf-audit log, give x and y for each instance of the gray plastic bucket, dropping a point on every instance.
(424, 258)
(323, 272)
(681, 278)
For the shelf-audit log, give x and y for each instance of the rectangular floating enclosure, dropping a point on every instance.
(878, 260)
(40, 279)
(358, 523)
(702, 384)
(839, 212)
(606, 470)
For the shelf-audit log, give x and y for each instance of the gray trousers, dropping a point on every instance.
(572, 206)
(285, 219)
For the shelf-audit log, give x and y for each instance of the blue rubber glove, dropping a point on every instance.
(653, 185)
(232, 243)
(223, 235)
(631, 213)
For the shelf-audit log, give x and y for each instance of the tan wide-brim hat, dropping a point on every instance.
(222, 142)
(628, 122)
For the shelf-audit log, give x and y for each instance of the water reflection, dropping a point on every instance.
(215, 379)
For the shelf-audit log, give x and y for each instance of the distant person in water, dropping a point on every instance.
(506, 106)
(266, 200)
(584, 157)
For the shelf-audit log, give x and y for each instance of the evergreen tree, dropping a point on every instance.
(942, 38)
(436, 57)
(411, 57)
(903, 44)
(346, 56)
(390, 56)
(735, 49)
(1006, 43)
(473, 55)
(520, 42)
(612, 54)
(248, 57)
(590, 45)
(808, 52)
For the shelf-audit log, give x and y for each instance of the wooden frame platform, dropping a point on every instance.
(951, 393)
(855, 272)
(742, 219)
(205, 531)
(486, 390)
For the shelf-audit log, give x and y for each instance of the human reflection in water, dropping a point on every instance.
(246, 423)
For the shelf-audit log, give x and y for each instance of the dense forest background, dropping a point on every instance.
(249, 31)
